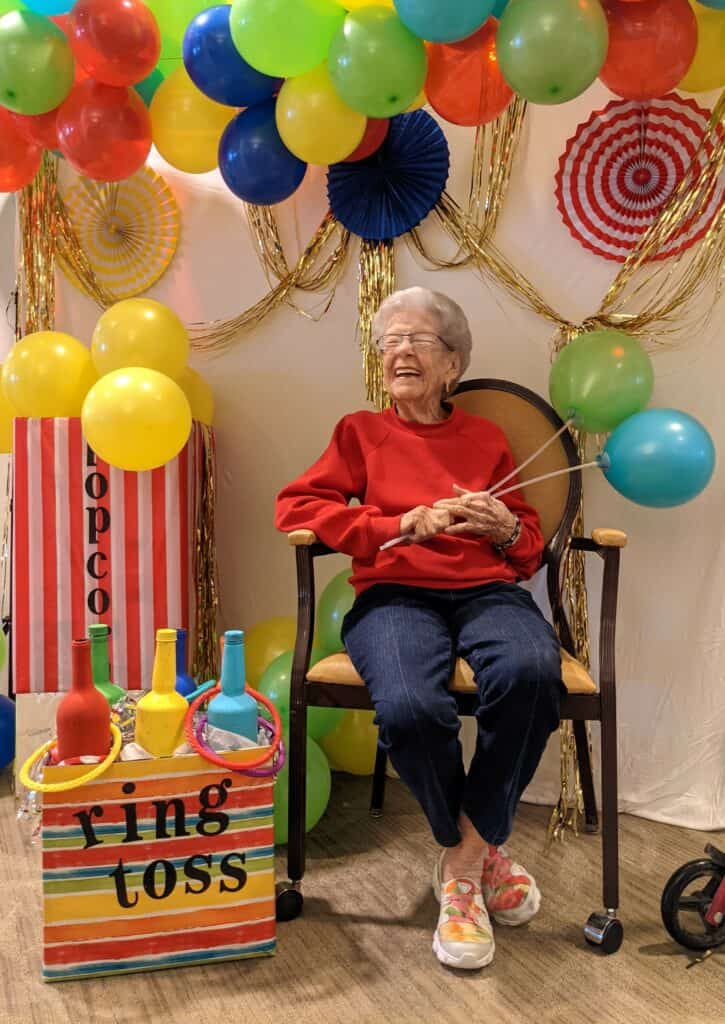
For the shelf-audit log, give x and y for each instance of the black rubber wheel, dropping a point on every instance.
(604, 933)
(686, 899)
(289, 902)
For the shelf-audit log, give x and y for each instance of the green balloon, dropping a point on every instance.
(319, 783)
(11, 5)
(275, 684)
(377, 65)
(550, 51)
(335, 602)
(600, 379)
(284, 38)
(3, 648)
(36, 63)
(173, 17)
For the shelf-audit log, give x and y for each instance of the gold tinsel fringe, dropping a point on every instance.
(36, 272)
(315, 270)
(376, 282)
(204, 563)
(493, 156)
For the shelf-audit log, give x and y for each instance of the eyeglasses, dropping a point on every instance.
(422, 341)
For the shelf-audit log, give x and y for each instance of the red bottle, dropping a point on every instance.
(83, 719)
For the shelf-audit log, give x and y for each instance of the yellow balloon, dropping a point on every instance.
(140, 332)
(136, 418)
(7, 415)
(265, 642)
(48, 374)
(420, 101)
(707, 70)
(352, 746)
(313, 122)
(186, 125)
(199, 395)
(355, 5)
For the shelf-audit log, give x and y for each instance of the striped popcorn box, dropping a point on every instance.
(156, 864)
(92, 543)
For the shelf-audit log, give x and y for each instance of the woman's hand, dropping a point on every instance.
(423, 523)
(481, 513)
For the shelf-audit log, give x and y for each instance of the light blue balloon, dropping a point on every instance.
(49, 7)
(440, 21)
(719, 5)
(499, 7)
(659, 458)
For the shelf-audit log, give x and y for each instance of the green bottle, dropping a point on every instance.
(100, 666)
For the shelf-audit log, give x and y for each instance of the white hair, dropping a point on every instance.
(454, 329)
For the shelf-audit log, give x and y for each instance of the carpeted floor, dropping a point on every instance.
(361, 953)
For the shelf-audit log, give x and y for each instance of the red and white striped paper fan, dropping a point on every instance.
(622, 165)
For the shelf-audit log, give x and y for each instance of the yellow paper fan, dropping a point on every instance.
(128, 229)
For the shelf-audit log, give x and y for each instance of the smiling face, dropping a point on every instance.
(416, 377)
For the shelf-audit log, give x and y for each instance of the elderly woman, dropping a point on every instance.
(424, 469)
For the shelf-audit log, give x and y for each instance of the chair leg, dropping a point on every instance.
(297, 794)
(591, 818)
(610, 816)
(378, 797)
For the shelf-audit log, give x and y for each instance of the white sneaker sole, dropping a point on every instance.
(465, 962)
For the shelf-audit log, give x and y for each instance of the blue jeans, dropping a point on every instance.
(404, 641)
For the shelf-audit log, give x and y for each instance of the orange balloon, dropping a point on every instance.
(464, 83)
(651, 47)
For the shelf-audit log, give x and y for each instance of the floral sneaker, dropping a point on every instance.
(511, 893)
(464, 937)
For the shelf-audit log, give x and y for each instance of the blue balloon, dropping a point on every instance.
(49, 7)
(215, 65)
(719, 5)
(7, 731)
(659, 458)
(499, 7)
(254, 162)
(440, 21)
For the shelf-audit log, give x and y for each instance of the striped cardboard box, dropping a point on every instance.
(156, 864)
(92, 543)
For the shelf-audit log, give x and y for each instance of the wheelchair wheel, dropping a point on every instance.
(686, 899)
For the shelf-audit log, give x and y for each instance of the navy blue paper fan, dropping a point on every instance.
(395, 189)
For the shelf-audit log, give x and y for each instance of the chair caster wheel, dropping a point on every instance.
(604, 933)
(289, 901)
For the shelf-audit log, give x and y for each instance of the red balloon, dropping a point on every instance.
(651, 46)
(375, 135)
(117, 41)
(464, 83)
(40, 129)
(104, 132)
(19, 158)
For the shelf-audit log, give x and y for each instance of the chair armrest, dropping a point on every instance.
(301, 538)
(306, 539)
(607, 538)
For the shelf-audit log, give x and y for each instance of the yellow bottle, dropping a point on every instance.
(160, 714)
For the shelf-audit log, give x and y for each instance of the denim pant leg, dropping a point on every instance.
(516, 660)
(402, 647)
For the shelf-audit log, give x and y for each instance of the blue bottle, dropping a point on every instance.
(184, 682)
(233, 709)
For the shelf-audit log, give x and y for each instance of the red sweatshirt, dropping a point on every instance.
(390, 466)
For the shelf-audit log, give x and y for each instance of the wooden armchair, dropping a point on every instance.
(528, 421)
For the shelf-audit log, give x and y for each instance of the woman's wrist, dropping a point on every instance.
(511, 538)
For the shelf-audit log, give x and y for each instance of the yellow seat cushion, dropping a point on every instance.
(337, 668)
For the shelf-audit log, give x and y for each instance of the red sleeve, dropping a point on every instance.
(319, 499)
(525, 554)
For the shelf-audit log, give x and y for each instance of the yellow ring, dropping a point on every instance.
(61, 787)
